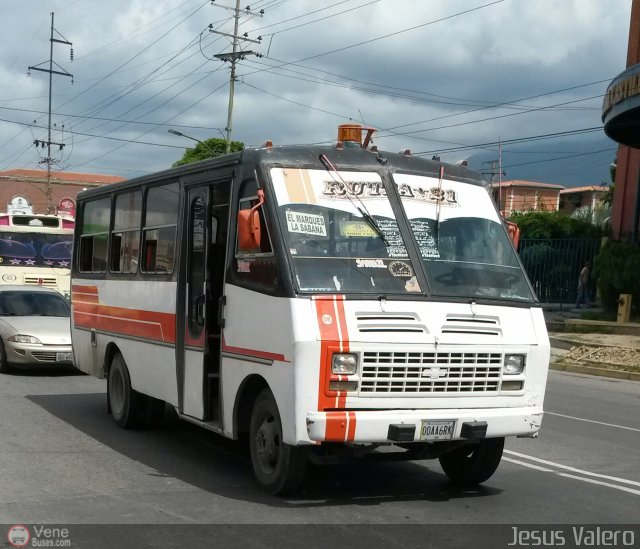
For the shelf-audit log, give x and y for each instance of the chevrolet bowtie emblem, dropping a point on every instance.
(434, 373)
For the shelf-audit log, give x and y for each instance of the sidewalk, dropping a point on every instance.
(595, 347)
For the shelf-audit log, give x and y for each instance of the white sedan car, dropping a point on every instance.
(34, 328)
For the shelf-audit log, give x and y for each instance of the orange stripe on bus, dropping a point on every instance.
(335, 427)
(133, 322)
(351, 433)
(84, 289)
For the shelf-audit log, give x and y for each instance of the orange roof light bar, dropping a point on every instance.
(350, 134)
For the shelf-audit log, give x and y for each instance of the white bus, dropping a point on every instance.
(35, 249)
(323, 301)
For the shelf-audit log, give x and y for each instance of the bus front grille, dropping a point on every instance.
(432, 372)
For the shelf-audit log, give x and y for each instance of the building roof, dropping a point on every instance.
(61, 177)
(527, 184)
(587, 189)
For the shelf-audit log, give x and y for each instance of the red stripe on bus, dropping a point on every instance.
(351, 432)
(335, 427)
(332, 326)
(253, 353)
(78, 297)
(84, 289)
(133, 322)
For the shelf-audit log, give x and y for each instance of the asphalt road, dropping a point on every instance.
(63, 461)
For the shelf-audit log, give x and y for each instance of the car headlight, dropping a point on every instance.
(513, 364)
(19, 338)
(344, 363)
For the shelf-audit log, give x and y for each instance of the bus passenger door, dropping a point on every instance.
(207, 217)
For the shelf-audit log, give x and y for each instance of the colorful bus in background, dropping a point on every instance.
(35, 249)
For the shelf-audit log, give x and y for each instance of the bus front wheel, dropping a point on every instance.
(472, 464)
(278, 467)
(129, 408)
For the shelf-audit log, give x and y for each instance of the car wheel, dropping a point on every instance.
(472, 464)
(278, 467)
(4, 365)
(129, 408)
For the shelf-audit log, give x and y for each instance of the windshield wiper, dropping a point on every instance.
(364, 212)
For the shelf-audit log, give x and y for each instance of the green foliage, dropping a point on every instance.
(209, 148)
(554, 225)
(616, 270)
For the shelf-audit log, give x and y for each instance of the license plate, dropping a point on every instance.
(437, 429)
(64, 357)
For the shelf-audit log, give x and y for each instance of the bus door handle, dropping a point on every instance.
(198, 310)
(221, 303)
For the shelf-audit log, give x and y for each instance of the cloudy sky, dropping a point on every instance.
(446, 77)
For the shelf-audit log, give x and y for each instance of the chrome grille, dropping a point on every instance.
(431, 372)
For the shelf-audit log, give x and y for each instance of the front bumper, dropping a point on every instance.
(374, 426)
(23, 354)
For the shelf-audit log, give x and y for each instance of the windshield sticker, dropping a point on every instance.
(363, 189)
(305, 223)
(356, 229)
(412, 285)
(370, 264)
(400, 269)
(391, 232)
(244, 266)
(426, 242)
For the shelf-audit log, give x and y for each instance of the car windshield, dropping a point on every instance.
(25, 303)
(333, 244)
(34, 249)
(464, 247)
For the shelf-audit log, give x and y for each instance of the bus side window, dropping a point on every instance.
(94, 235)
(159, 231)
(125, 237)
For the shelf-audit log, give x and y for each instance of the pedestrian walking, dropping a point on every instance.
(583, 286)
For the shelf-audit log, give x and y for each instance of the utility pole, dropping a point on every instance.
(494, 167)
(49, 159)
(233, 56)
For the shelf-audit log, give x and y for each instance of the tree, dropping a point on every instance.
(209, 148)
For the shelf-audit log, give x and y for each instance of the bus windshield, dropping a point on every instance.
(463, 245)
(34, 249)
(332, 246)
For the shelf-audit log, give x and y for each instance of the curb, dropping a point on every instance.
(594, 371)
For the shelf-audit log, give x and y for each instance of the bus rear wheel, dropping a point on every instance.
(129, 408)
(473, 463)
(278, 467)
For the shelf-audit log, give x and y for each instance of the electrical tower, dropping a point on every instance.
(49, 160)
(234, 55)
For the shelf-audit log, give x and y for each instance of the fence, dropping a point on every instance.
(553, 265)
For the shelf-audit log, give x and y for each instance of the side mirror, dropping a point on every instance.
(249, 233)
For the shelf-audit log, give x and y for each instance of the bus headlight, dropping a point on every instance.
(513, 365)
(344, 363)
(19, 338)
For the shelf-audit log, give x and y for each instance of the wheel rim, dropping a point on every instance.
(267, 444)
(116, 392)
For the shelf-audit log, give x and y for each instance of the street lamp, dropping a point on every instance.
(180, 134)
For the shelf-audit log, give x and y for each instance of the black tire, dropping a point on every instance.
(129, 408)
(4, 365)
(473, 463)
(279, 468)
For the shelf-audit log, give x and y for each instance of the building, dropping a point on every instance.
(519, 196)
(621, 118)
(29, 191)
(582, 197)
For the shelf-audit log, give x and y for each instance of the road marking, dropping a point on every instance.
(572, 469)
(608, 484)
(530, 465)
(594, 421)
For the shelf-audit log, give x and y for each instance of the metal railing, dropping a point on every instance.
(553, 266)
